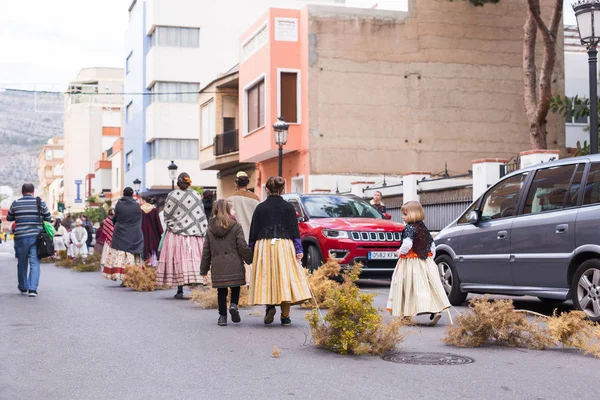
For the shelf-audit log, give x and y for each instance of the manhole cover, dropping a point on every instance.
(428, 358)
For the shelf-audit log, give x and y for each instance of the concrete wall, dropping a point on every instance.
(392, 92)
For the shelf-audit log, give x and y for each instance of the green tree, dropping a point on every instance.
(574, 107)
(538, 90)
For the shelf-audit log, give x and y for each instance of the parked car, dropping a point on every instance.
(348, 230)
(536, 232)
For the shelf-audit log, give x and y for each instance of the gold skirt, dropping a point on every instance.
(416, 289)
(277, 276)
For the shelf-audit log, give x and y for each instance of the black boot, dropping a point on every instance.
(222, 320)
(179, 294)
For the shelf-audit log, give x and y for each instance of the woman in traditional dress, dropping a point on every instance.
(60, 236)
(277, 275)
(181, 252)
(108, 229)
(127, 244)
(79, 238)
(152, 230)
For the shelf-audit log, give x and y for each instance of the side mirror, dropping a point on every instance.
(473, 217)
(299, 217)
(387, 216)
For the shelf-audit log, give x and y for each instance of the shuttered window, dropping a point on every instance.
(256, 106)
(289, 96)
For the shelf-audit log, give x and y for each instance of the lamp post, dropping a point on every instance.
(102, 197)
(137, 185)
(172, 174)
(281, 133)
(587, 13)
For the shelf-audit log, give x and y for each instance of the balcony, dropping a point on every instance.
(226, 143)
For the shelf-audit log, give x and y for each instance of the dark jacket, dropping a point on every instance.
(224, 253)
(127, 235)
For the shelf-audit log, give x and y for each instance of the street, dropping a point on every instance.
(88, 338)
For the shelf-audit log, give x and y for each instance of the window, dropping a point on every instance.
(572, 117)
(129, 112)
(297, 207)
(256, 106)
(463, 219)
(207, 121)
(502, 200)
(549, 189)
(339, 207)
(128, 160)
(592, 186)
(128, 63)
(169, 149)
(175, 92)
(288, 97)
(166, 36)
(230, 107)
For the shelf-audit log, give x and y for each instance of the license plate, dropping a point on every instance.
(382, 255)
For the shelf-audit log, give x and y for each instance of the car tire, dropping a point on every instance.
(585, 289)
(313, 258)
(450, 280)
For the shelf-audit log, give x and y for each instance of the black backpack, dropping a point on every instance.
(43, 243)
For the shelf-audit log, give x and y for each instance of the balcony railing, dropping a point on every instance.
(226, 143)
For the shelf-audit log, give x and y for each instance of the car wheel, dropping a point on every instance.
(450, 280)
(586, 289)
(313, 258)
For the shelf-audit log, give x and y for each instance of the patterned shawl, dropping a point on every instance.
(184, 213)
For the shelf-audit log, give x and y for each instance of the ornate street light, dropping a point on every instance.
(172, 174)
(137, 185)
(587, 13)
(281, 135)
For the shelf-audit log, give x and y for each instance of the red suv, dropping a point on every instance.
(347, 229)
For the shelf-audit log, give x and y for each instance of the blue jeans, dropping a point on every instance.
(27, 259)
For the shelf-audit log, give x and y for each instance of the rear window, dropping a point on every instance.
(339, 207)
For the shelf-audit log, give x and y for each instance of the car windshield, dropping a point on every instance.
(339, 207)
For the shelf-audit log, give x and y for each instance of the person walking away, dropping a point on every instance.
(277, 276)
(152, 230)
(244, 203)
(181, 252)
(224, 253)
(107, 234)
(68, 223)
(377, 203)
(79, 237)
(416, 288)
(99, 239)
(60, 236)
(28, 220)
(127, 245)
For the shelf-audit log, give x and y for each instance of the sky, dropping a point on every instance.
(44, 43)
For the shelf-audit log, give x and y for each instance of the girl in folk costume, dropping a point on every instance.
(127, 245)
(416, 287)
(107, 234)
(277, 276)
(79, 238)
(152, 230)
(60, 236)
(181, 252)
(225, 251)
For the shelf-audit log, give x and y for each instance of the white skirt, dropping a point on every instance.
(416, 289)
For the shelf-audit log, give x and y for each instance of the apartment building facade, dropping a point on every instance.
(51, 169)
(93, 119)
(369, 93)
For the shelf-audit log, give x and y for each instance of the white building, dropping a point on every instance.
(93, 115)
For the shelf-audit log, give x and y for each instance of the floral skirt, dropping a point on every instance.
(277, 276)
(116, 262)
(179, 262)
(416, 289)
(104, 255)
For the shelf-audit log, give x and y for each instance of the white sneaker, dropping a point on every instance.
(32, 293)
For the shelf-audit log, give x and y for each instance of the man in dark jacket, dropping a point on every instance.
(28, 224)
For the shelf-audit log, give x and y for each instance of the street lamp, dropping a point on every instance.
(587, 13)
(102, 197)
(137, 185)
(172, 174)
(281, 133)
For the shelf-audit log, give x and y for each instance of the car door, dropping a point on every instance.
(484, 248)
(543, 236)
(588, 225)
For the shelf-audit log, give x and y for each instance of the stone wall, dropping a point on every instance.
(392, 92)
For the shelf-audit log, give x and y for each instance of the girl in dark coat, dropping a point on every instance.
(127, 244)
(225, 251)
(152, 230)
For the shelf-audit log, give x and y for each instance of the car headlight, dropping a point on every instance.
(333, 234)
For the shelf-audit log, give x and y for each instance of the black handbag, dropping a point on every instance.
(43, 243)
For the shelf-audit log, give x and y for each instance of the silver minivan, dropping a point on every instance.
(534, 233)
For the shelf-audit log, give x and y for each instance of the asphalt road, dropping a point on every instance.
(87, 338)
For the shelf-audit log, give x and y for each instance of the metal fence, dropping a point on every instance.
(437, 216)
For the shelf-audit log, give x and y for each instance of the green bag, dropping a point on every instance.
(49, 229)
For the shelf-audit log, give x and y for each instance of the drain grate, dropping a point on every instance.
(428, 358)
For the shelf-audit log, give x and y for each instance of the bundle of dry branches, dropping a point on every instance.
(206, 297)
(140, 279)
(322, 283)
